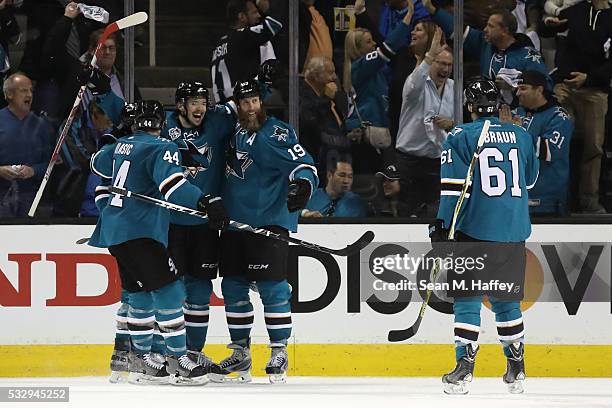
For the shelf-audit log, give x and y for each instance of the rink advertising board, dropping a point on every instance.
(58, 300)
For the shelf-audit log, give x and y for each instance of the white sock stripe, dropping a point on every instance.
(467, 326)
(510, 323)
(466, 341)
(190, 324)
(121, 331)
(121, 319)
(195, 312)
(173, 322)
(240, 314)
(140, 332)
(240, 326)
(174, 333)
(512, 337)
(280, 314)
(278, 326)
(156, 332)
(140, 321)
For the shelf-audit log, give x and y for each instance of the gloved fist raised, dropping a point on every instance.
(97, 81)
(217, 215)
(298, 194)
(269, 71)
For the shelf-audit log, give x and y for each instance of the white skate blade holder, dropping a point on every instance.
(118, 377)
(184, 381)
(238, 377)
(516, 387)
(277, 378)
(461, 388)
(144, 379)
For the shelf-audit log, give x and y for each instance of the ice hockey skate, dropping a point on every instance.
(237, 367)
(119, 362)
(212, 369)
(183, 371)
(147, 369)
(515, 369)
(458, 380)
(278, 364)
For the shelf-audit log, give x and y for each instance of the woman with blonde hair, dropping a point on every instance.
(365, 82)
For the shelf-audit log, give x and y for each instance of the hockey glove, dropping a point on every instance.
(269, 72)
(439, 237)
(97, 81)
(298, 195)
(217, 215)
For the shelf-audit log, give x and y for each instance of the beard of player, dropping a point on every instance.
(252, 123)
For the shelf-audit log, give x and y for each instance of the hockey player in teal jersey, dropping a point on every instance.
(135, 233)
(506, 168)
(551, 128)
(119, 357)
(269, 178)
(201, 132)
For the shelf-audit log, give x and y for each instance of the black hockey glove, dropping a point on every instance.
(298, 195)
(269, 72)
(439, 237)
(217, 215)
(97, 81)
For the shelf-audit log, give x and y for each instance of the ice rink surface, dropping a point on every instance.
(319, 392)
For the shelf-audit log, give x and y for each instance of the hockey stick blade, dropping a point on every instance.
(356, 246)
(401, 335)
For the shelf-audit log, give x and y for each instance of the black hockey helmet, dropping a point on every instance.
(482, 96)
(246, 89)
(149, 115)
(193, 89)
(128, 115)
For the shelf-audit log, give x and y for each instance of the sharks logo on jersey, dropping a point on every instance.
(204, 160)
(533, 55)
(280, 134)
(238, 163)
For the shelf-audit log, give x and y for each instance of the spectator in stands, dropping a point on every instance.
(62, 52)
(404, 62)
(364, 80)
(26, 141)
(582, 86)
(323, 111)
(390, 205)
(75, 195)
(336, 199)
(551, 128)
(501, 51)
(425, 120)
(8, 30)
(239, 53)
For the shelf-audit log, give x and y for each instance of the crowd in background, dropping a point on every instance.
(376, 100)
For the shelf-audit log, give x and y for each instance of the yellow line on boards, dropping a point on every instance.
(397, 360)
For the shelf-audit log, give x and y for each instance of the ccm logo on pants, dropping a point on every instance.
(258, 267)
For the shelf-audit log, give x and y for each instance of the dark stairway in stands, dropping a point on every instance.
(186, 33)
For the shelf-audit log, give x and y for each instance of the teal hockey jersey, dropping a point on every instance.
(551, 129)
(210, 139)
(148, 165)
(496, 207)
(259, 168)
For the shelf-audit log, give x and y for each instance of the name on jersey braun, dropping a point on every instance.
(124, 148)
(501, 137)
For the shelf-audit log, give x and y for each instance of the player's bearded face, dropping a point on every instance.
(251, 114)
(195, 110)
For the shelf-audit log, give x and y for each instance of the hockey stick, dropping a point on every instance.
(353, 248)
(405, 334)
(126, 22)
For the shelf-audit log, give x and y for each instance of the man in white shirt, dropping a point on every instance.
(425, 119)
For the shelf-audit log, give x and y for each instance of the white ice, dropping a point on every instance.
(319, 392)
